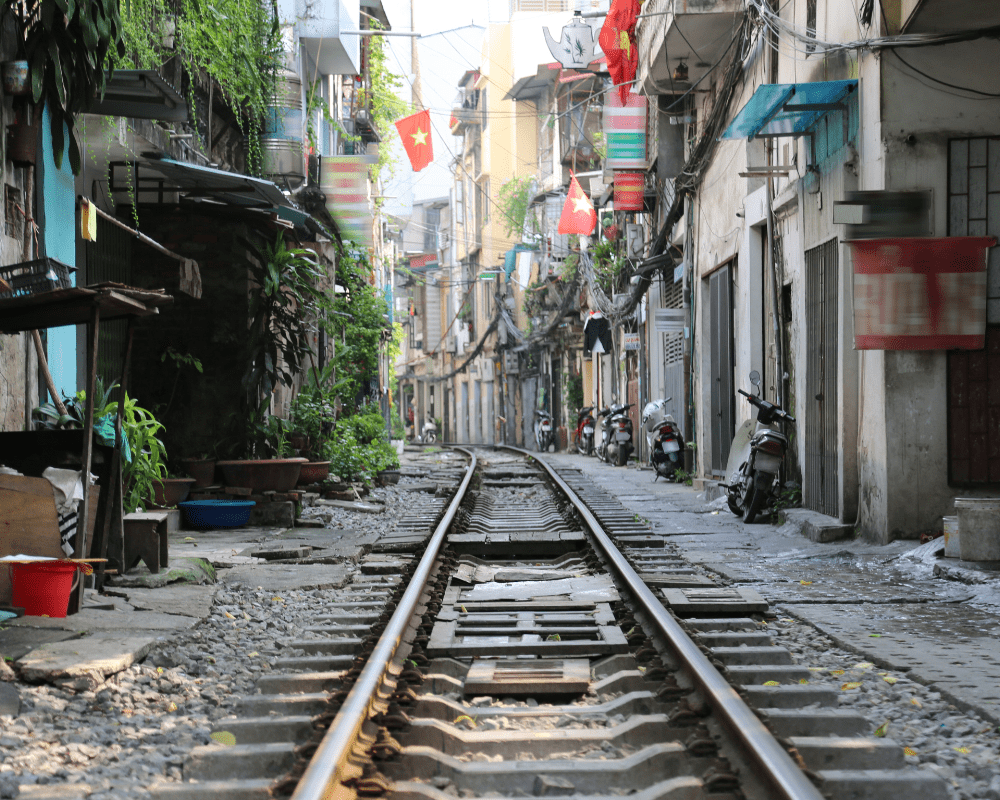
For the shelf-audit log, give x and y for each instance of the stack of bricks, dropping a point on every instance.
(241, 493)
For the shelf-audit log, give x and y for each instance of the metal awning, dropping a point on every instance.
(788, 109)
(141, 94)
(529, 88)
(226, 187)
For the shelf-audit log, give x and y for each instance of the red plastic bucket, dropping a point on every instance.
(42, 588)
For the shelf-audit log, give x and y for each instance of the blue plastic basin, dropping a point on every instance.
(217, 513)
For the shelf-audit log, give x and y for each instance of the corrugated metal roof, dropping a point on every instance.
(227, 187)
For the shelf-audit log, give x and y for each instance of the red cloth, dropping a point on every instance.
(415, 133)
(617, 40)
(578, 215)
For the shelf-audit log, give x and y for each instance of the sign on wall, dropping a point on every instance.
(631, 341)
(920, 293)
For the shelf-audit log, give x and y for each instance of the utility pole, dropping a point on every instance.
(418, 101)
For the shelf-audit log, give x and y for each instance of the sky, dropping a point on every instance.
(450, 45)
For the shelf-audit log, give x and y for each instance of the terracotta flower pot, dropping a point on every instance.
(201, 469)
(278, 474)
(314, 472)
(171, 491)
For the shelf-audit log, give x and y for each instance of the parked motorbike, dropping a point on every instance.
(663, 439)
(429, 433)
(616, 435)
(544, 435)
(585, 431)
(755, 457)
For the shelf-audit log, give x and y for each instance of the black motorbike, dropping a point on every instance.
(585, 431)
(616, 435)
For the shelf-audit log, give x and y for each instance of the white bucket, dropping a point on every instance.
(952, 540)
(979, 521)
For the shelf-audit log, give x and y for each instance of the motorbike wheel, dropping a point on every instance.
(622, 458)
(431, 437)
(589, 444)
(734, 506)
(756, 495)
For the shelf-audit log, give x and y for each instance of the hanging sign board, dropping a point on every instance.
(920, 293)
(668, 320)
(625, 131)
(631, 341)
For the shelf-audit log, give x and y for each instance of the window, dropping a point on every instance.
(811, 23)
(432, 221)
(974, 375)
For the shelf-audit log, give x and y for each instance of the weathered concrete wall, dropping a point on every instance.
(919, 118)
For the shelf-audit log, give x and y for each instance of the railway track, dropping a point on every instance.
(542, 643)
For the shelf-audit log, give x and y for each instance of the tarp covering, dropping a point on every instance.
(787, 109)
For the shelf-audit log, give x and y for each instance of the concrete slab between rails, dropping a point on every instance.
(188, 600)
(88, 621)
(450, 740)
(955, 650)
(213, 790)
(685, 788)
(83, 664)
(586, 776)
(288, 577)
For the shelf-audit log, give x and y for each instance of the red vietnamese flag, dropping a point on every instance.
(578, 215)
(617, 40)
(415, 132)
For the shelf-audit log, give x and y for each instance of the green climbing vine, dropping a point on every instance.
(514, 201)
(381, 96)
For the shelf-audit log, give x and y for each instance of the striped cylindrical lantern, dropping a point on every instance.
(625, 131)
(628, 190)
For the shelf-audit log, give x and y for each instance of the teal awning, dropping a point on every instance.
(787, 109)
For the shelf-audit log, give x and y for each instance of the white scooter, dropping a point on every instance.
(755, 457)
(429, 433)
(663, 439)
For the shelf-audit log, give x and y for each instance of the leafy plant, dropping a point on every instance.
(359, 447)
(514, 200)
(281, 310)
(683, 476)
(66, 43)
(608, 264)
(380, 96)
(574, 390)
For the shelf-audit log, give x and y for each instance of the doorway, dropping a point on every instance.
(722, 406)
(820, 403)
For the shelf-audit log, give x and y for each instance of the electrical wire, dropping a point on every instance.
(945, 83)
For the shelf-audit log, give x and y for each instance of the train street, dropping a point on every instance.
(514, 631)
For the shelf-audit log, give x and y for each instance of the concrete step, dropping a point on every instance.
(216, 762)
(262, 730)
(261, 705)
(748, 656)
(882, 785)
(715, 639)
(759, 674)
(816, 722)
(793, 696)
(213, 790)
(848, 753)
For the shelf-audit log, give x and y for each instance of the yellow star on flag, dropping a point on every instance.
(624, 43)
(581, 204)
(420, 137)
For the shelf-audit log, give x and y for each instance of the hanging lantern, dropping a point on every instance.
(681, 72)
(629, 190)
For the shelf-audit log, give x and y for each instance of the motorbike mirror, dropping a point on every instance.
(755, 378)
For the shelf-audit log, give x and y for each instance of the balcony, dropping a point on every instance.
(461, 118)
(687, 33)
(320, 25)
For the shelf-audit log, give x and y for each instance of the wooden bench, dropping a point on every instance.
(146, 540)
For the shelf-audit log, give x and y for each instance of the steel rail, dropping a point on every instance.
(777, 766)
(324, 770)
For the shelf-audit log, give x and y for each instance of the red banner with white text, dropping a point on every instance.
(920, 293)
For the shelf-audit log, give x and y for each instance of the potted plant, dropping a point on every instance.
(169, 491)
(202, 468)
(66, 46)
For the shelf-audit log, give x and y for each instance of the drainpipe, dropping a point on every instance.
(779, 361)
